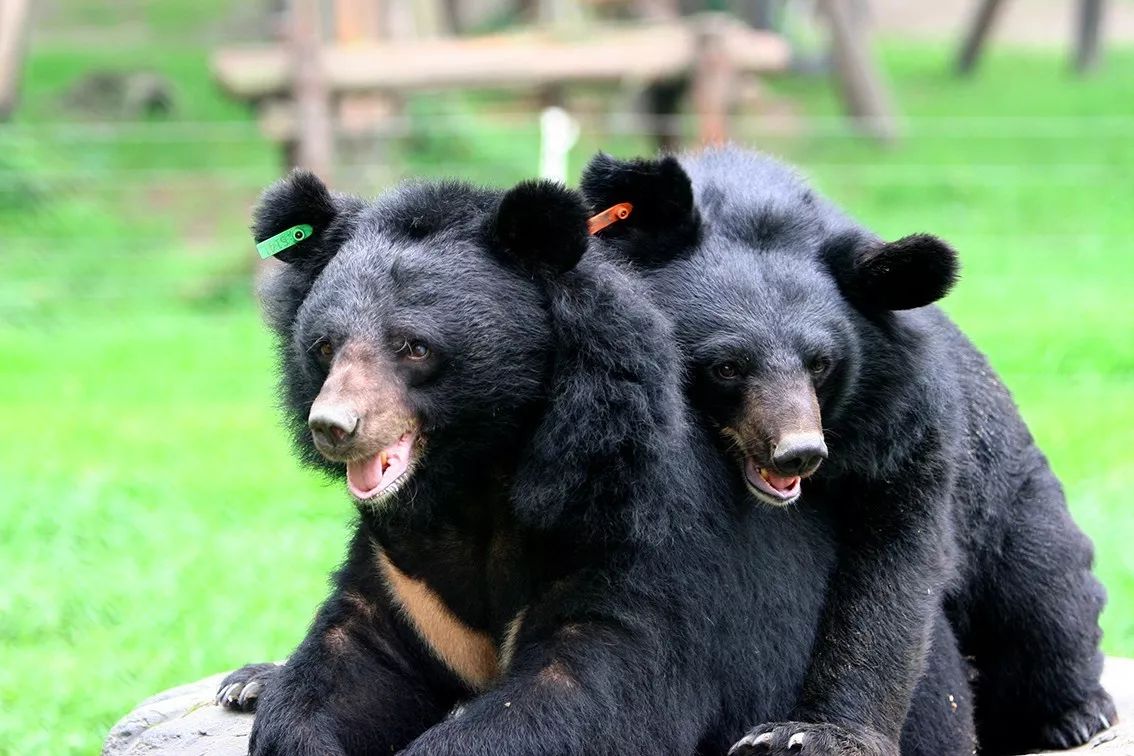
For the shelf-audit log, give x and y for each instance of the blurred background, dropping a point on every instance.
(154, 527)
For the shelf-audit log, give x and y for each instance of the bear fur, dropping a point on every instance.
(797, 323)
(565, 567)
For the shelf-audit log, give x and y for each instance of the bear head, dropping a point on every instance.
(789, 316)
(445, 338)
(414, 324)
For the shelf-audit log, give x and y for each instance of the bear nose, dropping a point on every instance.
(332, 424)
(799, 454)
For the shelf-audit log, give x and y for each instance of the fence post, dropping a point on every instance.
(714, 80)
(314, 149)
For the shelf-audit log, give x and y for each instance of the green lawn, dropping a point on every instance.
(155, 528)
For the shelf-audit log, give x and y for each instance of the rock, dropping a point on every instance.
(184, 721)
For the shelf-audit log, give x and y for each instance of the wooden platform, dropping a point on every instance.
(639, 52)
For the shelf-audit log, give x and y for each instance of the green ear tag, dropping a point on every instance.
(273, 245)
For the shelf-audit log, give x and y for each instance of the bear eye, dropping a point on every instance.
(414, 350)
(819, 367)
(727, 371)
(325, 349)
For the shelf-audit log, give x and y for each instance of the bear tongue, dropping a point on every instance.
(364, 476)
(780, 482)
(372, 475)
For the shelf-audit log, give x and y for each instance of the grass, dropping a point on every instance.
(155, 526)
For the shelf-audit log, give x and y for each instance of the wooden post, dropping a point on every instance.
(860, 82)
(13, 44)
(713, 81)
(977, 35)
(360, 144)
(1089, 22)
(314, 149)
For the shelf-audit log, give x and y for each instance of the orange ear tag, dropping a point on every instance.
(608, 217)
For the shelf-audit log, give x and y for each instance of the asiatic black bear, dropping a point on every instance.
(813, 351)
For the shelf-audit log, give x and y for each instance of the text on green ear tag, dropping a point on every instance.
(273, 245)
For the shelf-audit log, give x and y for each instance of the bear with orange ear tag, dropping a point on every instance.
(816, 356)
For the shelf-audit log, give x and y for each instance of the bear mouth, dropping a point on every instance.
(769, 486)
(373, 479)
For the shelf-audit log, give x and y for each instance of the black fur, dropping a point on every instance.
(937, 481)
(664, 217)
(302, 198)
(542, 225)
(559, 478)
(914, 271)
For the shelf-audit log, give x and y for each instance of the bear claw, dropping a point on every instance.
(241, 690)
(752, 741)
(239, 695)
(813, 739)
(1078, 725)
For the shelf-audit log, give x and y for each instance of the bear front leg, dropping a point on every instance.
(589, 689)
(940, 720)
(352, 687)
(1032, 625)
(873, 638)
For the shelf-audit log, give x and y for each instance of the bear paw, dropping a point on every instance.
(241, 689)
(1078, 725)
(813, 739)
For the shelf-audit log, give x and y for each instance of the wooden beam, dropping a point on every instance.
(864, 94)
(644, 53)
(977, 35)
(13, 44)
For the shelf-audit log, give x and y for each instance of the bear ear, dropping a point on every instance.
(913, 271)
(301, 199)
(541, 225)
(664, 221)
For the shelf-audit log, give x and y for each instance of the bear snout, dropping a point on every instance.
(361, 408)
(333, 425)
(799, 454)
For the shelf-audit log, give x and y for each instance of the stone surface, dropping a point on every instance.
(185, 722)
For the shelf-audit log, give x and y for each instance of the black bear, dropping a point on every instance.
(549, 558)
(812, 348)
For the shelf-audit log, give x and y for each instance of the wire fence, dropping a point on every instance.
(118, 210)
(102, 214)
